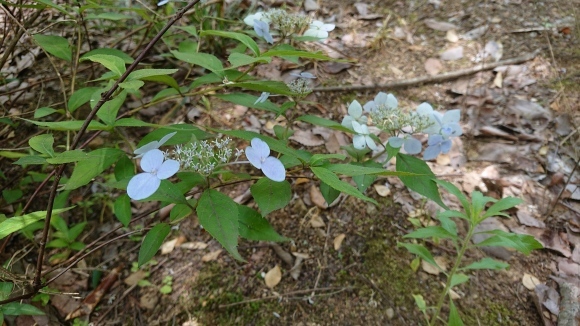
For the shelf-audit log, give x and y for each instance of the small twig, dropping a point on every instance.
(431, 79)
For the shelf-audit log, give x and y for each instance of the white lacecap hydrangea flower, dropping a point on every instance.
(362, 138)
(382, 101)
(355, 113)
(259, 156)
(139, 152)
(319, 30)
(259, 16)
(442, 128)
(155, 168)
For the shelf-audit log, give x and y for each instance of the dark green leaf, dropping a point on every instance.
(94, 165)
(30, 159)
(271, 195)
(44, 111)
(109, 110)
(20, 309)
(248, 100)
(502, 205)
(420, 251)
(353, 170)
(167, 192)
(179, 212)
(56, 45)
(330, 194)
(487, 263)
(270, 86)
(115, 64)
(68, 157)
(17, 223)
(122, 209)
(245, 39)
(205, 60)
(152, 242)
(318, 121)
(333, 181)
(114, 52)
(295, 53)
(254, 227)
(239, 59)
(454, 318)
(424, 184)
(43, 144)
(72, 125)
(522, 243)
(80, 97)
(124, 168)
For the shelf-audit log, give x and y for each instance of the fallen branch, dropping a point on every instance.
(431, 79)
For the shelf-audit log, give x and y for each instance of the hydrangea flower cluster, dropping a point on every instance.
(384, 113)
(155, 168)
(286, 24)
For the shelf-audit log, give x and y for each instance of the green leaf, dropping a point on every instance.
(122, 209)
(17, 223)
(152, 242)
(295, 53)
(239, 59)
(478, 202)
(454, 318)
(71, 125)
(274, 144)
(330, 194)
(42, 144)
(364, 181)
(333, 181)
(80, 97)
(56, 45)
(51, 4)
(420, 302)
(97, 162)
(114, 52)
(179, 212)
(57, 243)
(218, 214)
(132, 85)
(43, 112)
(5, 290)
(185, 133)
(318, 121)
(487, 263)
(254, 227)
(115, 16)
(245, 39)
(167, 192)
(164, 79)
(452, 189)
(109, 110)
(430, 232)
(68, 157)
(12, 195)
(145, 73)
(132, 122)
(248, 100)
(420, 251)
(271, 195)
(270, 86)
(424, 185)
(189, 29)
(452, 213)
(283, 133)
(316, 158)
(352, 170)
(458, 279)
(20, 309)
(205, 60)
(76, 230)
(124, 168)
(503, 204)
(30, 159)
(520, 242)
(115, 64)
(448, 225)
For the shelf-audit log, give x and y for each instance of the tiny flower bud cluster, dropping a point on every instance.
(300, 86)
(204, 156)
(287, 23)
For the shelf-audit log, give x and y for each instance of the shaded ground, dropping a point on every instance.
(369, 281)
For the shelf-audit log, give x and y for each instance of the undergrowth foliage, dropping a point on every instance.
(174, 159)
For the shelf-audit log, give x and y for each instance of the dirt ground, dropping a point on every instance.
(369, 280)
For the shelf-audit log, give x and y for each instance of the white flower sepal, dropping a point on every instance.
(259, 16)
(139, 152)
(319, 29)
(259, 156)
(355, 113)
(362, 139)
(155, 168)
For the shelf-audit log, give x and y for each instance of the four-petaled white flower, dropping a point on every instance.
(155, 168)
(362, 138)
(355, 113)
(263, 97)
(410, 144)
(139, 152)
(259, 156)
(383, 101)
(445, 124)
(263, 29)
(319, 29)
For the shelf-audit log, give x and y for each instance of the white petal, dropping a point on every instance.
(261, 147)
(431, 152)
(152, 160)
(359, 141)
(254, 157)
(165, 138)
(425, 109)
(142, 186)
(355, 109)
(347, 122)
(370, 143)
(392, 101)
(381, 98)
(249, 20)
(146, 148)
(327, 27)
(396, 142)
(412, 146)
(451, 116)
(370, 106)
(274, 169)
(167, 169)
(316, 33)
(316, 24)
(162, 2)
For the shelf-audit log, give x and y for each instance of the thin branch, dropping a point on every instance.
(431, 79)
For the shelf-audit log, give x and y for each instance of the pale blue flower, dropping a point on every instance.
(383, 101)
(304, 74)
(362, 138)
(409, 143)
(263, 97)
(155, 168)
(263, 29)
(319, 29)
(162, 2)
(445, 124)
(139, 152)
(436, 144)
(259, 16)
(259, 156)
(355, 113)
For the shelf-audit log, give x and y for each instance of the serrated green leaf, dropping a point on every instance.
(330, 194)
(80, 97)
(424, 184)
(56, 45)
(478, 202)
(364, 181)
(114, 52)
(109, 110)
(132, 85)
(248, 100)
(30, 159)
(452, 213)
(239, 59)
(179, 212)
(43, 144)
(152, 242)
(503, 204)
(457, 279)
(86, 170)
(245, 39)
(487, 263)
(68, 157)
(352, 170)
(164, 79)
(452, 189)
(420, 251)
(271, 195)
(167, 192)
(448, 224)
(318, 121)
(17, 223)
(145, 73)
(218, 214)
(205, 60)
(122, 209)
(316, 158)
(333, 181)
(124, 168)
(520, 242)
(254, 227)
(115, 64)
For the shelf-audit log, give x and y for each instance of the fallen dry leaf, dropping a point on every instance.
(211, 256)
(135, 277)
(316, 221)
(382, 190)
(433, 66)
(338, 241)
(439, 25)
(317, 198)
(452, 36)
(273, 277)
(194, 245)
(530, 281)
(168, 246)
(306, 138)
(455, 53)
